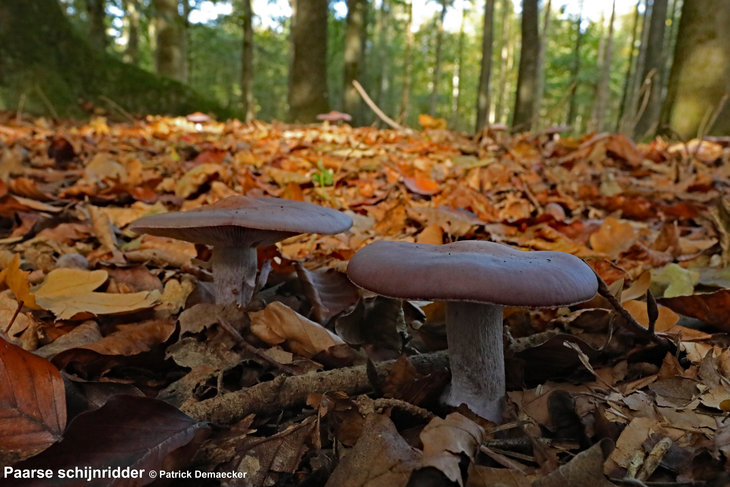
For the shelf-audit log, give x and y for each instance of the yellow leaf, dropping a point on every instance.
(17, 281)
(68, 281)
(277, 323)
(70, 292)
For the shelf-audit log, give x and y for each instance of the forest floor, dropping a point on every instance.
(318, 381)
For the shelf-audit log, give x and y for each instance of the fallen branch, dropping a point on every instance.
(286, 391)
(382, 116)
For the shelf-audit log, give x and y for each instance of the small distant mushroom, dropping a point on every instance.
(234, 227)
(334, 116)
(475, 278)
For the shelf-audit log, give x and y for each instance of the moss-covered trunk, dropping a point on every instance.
(46, 67)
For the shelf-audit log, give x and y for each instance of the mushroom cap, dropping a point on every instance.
(197, 117)
(334, 116)
(472, 270)
(244, 221)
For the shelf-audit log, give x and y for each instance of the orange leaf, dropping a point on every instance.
(17, 281)
(32, 401)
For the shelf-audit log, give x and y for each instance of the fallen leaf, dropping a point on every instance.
(380, 458)
(17, 281)
(127, 431)
(277, 323)
(32, 403)
(68, 292)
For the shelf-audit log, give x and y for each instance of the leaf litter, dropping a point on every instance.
(318, 382)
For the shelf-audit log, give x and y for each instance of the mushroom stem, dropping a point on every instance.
(476, 357)
(234, 274)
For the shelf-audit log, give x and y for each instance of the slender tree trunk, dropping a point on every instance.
(598, 122)
(186, 68)
(354, 57)
(620, 122)
(505, 63)
(97, 27)
(575, 69)
(486, 66)
(405, 93)
(308, 95)
(527, 75)
(458, 86)
(247, 101)
(652, 72)
(131, 25)
(540, 88)
(437, 61)
(169, 52)
(699, 84)
(382, 75)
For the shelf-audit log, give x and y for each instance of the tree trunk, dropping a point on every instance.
(598, 116)
(457, 87)
(506, 62)
(699, 82)
(486, 66)
(169, 52)
(540, 85)
(40, 60)
(355, 36)
(575, 69)
(131, 25)
(628, 83)
(650, 106)
(382, 76)
(437, 60)
(97, 27)
(247, 101)
(527, 75)
(405, 92)
(308, 94)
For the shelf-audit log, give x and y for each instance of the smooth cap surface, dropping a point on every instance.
(472, 270)
(334, 116)
(244, 221)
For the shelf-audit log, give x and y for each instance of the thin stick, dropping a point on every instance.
(253, 350)
(628, 320)
(385, 118)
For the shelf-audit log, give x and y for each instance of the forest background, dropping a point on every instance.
(529, 64)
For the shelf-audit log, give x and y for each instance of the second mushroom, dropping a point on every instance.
(476, 278)
(235, 227)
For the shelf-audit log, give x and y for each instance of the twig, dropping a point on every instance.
(385, 118)
(629, 321)
(118, 108)
(284, 392)
(240, 341)
(15, 315)
(47, 102)
(405, 406)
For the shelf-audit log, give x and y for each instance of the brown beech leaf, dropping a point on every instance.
(380, 458)
(330, 292)
(32, 403)
(277, 323)
(583, 469)
(128, 431)
(712, 308)
(445, 440)
(279, 454)
(128, 339)
(613, 237)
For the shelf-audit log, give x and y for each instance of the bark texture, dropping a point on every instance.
(527, 74)
(308, 75)
(699, 83)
